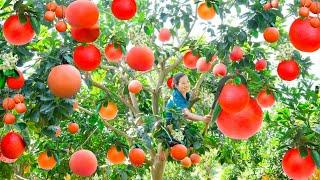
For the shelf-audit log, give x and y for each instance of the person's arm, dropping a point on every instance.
(194, 117)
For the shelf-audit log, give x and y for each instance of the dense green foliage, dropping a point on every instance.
(292, 122)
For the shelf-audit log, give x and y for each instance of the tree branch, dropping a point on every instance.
(108, 125)
(195, 90)
(105, 67)
(122, 99)
(20, 177)
(88, 138)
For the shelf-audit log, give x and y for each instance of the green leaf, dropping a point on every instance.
(6, 4)
(21, 126)
(5, 13)
(148, 29)
(123, 49)
(50, 131)
(22, 18)
(2, 79)
(242, 36)
(237, 80)
(303, 151)
(45, 108)
(216, 112)
(196, 145)
(17, 5)
(216, 8)
(56, 157)
(35, 23)
(316, 157)
(26, 137)
(11, 73)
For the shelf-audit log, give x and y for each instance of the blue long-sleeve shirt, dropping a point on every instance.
(176, 102)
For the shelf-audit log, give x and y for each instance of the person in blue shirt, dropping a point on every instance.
(180, 99)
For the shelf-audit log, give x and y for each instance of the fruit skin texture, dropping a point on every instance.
(21, 108)
(115, 156)
(73, 128)
(297, 167)
(205, 12)
(16, 82)
(202, 65)
(234, 98)
(186, 162)
(17, 33)
(137, 156)
(12, 145)
(5, 159)
(304, 12)
(305, 3)
(18, 98)
(190, 60)
(109, 112)
(82, 13)
(195, 158)
(265, 99)
(61, 26)
(261, 64)
(219, 70)
(124, 9)
(51, 6)
(236, 54)
(170, 83)
(64, 81)
(267, 6)
(9, 118)
(275, 3)
(60, 11)
(112, 53)
(83, 163)
(303, 36)
(135, 86)
(49, 16)
(243, 124)
(87, 58)
(45, 161)
(178, 152)
(85, 35)
(315, 7)
(140, 58)
(164, 35)
(315, 21)
(271, 34)
(8, 104)
(288, 70)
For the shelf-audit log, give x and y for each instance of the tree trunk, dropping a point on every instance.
(158, 165)
(155, 100)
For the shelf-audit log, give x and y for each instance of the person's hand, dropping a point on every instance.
(207, 118)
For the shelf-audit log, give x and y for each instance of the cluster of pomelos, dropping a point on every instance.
(136, 156)
(271, 4)
(310, 9)
(271, 34)
(179, 152)
(192, 60)
(56, 11)
(16, 103)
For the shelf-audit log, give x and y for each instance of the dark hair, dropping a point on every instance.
(176, 78)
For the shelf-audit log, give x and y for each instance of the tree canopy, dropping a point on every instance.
(84, 86)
